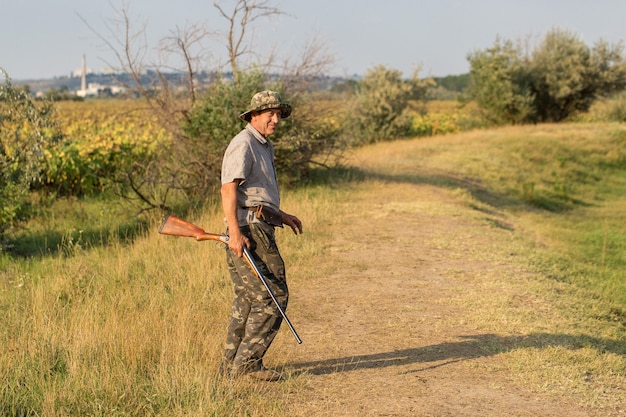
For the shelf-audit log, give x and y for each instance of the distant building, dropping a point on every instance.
(83, 92)
(97, 90)
(94, 89)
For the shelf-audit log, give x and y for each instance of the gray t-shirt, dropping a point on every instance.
(250, 159)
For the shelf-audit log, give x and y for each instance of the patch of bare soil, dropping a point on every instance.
(386, 323)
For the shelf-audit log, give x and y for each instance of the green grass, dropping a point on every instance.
(72, 223)
(564, 184)
(576, 201)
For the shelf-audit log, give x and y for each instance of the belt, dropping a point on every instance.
(250, 214)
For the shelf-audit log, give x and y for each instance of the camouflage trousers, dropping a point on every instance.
(254, 320)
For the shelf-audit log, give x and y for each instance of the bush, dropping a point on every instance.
(436, 124)
(26, 130)
(302, 139)
(310, 137)
(498, 84)
(381, 109)
(560, 78)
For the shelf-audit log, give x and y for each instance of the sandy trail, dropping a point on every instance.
(387, 323)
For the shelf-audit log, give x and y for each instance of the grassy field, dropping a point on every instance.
(102, 316)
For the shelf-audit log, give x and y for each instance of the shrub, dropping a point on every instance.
(560, 78)
(381, 109)
(302, 139)
(498, 84)
(26, 130)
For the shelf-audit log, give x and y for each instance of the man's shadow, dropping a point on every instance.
(471, 347)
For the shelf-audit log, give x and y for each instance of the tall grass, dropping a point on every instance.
(118, 327)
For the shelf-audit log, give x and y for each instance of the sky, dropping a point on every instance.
(42, 39)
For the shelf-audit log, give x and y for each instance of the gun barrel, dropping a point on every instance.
(259, 274)
(175, 226)
(213, 236)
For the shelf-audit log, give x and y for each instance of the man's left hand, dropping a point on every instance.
(293, 222)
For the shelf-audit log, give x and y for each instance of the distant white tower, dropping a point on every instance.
(83, 77)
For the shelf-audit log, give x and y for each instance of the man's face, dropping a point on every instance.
(266, 121)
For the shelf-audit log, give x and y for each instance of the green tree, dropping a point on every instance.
(568, 76)
(301, 141)
(380, 109)
(26, 129)
(560, 77)
(209, 127)
(456, 83)
(201, 118)
(499, 83)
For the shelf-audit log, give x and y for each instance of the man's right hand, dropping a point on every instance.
(236, 242)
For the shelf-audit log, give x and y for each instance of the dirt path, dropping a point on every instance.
(389, 327)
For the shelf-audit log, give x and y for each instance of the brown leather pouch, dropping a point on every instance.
(269, 216)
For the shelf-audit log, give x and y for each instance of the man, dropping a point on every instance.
(249, 182)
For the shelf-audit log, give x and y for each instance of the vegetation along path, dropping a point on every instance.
(422, 305)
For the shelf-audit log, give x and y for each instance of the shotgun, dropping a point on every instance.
(175, 226)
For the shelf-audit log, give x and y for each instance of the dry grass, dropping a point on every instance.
(129, 329)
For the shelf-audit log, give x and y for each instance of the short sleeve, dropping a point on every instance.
(237, 160)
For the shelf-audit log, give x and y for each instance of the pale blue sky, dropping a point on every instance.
(46, 38)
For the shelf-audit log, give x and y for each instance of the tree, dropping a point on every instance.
(201, 121)
(380, 108)
(568, 76)
(181, 52)
(240, 20)
(26, 129)
(455, 83)
(560, 77)
(499, 83)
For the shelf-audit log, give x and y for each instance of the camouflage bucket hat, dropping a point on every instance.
(266, 100)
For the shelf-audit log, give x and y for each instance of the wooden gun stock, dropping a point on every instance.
(175, 226)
